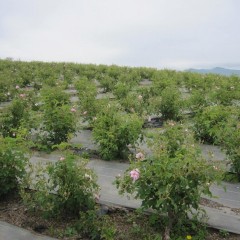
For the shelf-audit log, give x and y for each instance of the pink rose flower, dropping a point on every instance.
(135, 174)
(22, 95)
(73, 110)
(62, 158)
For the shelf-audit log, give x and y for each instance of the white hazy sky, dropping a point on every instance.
(176, 34)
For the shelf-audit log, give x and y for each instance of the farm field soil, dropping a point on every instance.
(14, 212)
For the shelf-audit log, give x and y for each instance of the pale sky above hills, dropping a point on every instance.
(176, 34)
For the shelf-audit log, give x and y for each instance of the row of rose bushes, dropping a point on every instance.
(163, 97)
(50, 118)
(49, 121)
(40, 74)
(170, 182)
(212, 123)
(213, 88)
(24, 73)
(43, 120)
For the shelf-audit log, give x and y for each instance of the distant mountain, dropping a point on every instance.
(216, 70)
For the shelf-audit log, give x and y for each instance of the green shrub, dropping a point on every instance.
(133, 103)
(53, 97)
(170, 105)
(114, 130)
(13, 161)
(222, 96)
(89, 107)
(172, 181)
(85, 87)
(161, 80)
(11, 119)
(197, 101)
(107, 83)
(210, 121)
(229, 138)
(66, 187)
(58, 118)
(59, 122)
(87, 92)
(5, 85)
(121, 90)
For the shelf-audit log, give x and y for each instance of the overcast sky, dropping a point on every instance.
(175, 34)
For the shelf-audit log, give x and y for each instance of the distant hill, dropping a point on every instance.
(216, 70)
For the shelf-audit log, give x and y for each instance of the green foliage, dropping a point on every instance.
(5, 84)
(162, 80)
(85, 87)
(107, 83)
(170, 105)
(46, 118)
(210, 121)
(129, 76)
(59, 122)
(114, 130)
(225, 92)
(70, 232)
(58, 119)
(64, 187)
(223, 233)
(222, 96)
(121, 90)
(11, 119)
(89, 107)
(54, 97)
(172, 181)
(95, 227)
(133, 103)
(197, 101)
(87, 92)
(229, 138)
(13, 161)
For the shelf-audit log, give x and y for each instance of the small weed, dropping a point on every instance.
(223, 233)
(70, 231)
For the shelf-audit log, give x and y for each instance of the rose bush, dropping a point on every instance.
(13, 161)
(229, 138)
(64, 187)
(210, 121)
(113, 130)
(172, 181)
(12, 116)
